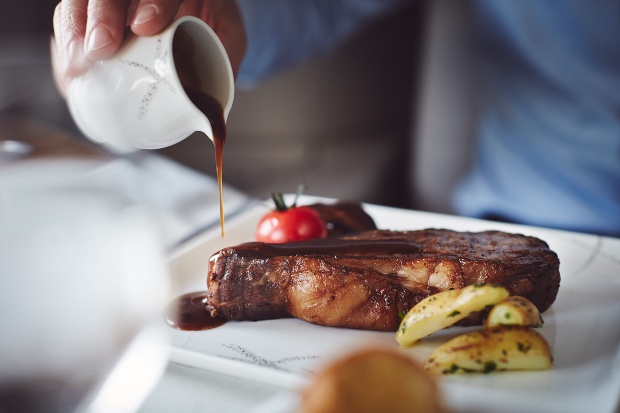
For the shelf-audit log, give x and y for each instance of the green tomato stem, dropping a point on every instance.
(278, 199)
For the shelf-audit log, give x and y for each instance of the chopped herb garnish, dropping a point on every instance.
(453, 369)
(507, 316)
(523, 347)
(401, 314)
(489, 366)
(454, 313)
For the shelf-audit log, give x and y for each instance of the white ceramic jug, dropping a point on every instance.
(136, 99)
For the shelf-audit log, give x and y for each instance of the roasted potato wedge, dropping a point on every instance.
(446, 308)
(514, 310)
(491, 349)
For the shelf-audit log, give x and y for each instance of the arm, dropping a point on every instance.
(282, 33)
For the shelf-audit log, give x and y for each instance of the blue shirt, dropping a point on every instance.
(549, 133)
(548, 150)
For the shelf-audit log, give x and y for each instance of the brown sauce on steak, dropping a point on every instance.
(331, 246)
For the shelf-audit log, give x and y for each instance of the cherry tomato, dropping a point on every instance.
(293, 224)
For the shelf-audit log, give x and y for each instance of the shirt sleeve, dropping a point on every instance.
(282, 33)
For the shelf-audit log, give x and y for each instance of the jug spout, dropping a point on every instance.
(212, 117)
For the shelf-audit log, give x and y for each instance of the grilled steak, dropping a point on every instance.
(366, 280)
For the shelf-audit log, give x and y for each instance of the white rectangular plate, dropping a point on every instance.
(582, 326)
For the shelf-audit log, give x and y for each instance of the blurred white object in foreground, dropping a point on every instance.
(83, 282)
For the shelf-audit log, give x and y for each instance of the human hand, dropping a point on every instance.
(89, 30)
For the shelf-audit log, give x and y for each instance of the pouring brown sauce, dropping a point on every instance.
(189, 312)
(184, 52)
(212, 109)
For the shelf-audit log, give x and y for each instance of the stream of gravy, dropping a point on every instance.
(212, 109)
(185, 55)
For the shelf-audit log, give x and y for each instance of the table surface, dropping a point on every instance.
(45, 140)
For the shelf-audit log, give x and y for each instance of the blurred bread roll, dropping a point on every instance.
(372, 380)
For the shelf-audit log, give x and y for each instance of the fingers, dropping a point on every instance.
(151, 16)
(69, 31)
(86, 31)
(89, 30)
(57, 69)
(105, 27)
